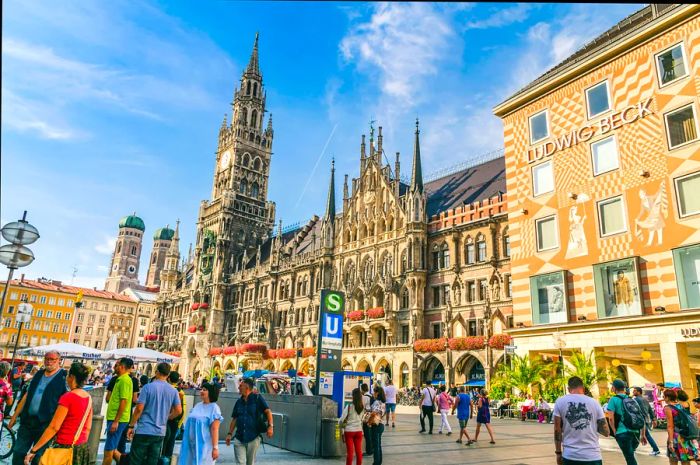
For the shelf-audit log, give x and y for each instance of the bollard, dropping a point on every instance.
(94, 438)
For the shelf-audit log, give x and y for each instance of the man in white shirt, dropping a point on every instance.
(578, 419)
(427, 402)
(390, 393)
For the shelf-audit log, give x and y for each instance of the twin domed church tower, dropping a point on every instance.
(124, 269)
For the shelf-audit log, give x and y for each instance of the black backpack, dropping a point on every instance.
(685, 424)
(632, 415)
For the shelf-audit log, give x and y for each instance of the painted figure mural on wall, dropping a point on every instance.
(577, 236)
(656, 209)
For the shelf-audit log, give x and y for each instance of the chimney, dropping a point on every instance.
(21, 278)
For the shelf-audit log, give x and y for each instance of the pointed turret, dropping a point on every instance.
(417, 174)
(330, 203)
(175, 244)
(253, 63)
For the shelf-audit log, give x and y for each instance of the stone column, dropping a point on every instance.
(676, 367)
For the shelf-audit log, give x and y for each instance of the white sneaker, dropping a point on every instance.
(655, 452)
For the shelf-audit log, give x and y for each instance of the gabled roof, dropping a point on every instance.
(466, 186)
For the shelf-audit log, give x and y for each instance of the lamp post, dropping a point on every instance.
(15, 255)
(24, 314)
(559, 343)
(487, 331)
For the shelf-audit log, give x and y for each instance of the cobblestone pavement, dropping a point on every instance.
(517, 443)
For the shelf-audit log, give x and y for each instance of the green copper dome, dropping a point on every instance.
(132, 221)
(163, 234)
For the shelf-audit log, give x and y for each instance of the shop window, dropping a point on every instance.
(681, 126)
(687, 188)
(670, 64)
(611, 216)
(539, 127)
(506, 246)
(542, 178)
(617, 289)
(547, 235)
(549, 298)
(605, 156)
(598, 99)
(686, 261)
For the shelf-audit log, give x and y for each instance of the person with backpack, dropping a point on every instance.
(649, 418)
(682, 431)
(626, 421)
(251, 418)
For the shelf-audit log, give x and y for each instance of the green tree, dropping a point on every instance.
(524, 373)
(583, 366)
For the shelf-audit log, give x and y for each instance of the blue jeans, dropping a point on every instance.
(376, 433)
(650, 439)
(628, 442)
(29, 432)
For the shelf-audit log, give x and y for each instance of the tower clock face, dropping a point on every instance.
(132, 269)
(225, 159)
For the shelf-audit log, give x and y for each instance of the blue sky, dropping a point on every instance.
(114, 107)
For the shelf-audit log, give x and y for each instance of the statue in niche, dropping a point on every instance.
(577, 246)
(495, 290)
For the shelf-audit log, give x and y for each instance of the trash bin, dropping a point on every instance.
(331, 444)
(94, 438)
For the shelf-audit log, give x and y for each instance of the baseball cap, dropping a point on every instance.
(619, 384)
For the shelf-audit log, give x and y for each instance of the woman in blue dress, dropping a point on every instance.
(483, 415)
(200, 441)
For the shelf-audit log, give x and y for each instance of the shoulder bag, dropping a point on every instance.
(64, 456)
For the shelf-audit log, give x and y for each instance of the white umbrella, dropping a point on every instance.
(67, 350)
(111, 343)
(142, 354)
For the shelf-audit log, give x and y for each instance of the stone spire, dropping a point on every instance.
(253, 63)
(175, 244)
(417, 173)
(330, 203)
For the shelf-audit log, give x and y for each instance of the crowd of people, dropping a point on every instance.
(53, 413)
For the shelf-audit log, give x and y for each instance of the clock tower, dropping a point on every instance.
(238, 217)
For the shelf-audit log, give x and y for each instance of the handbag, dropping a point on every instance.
(63, 455)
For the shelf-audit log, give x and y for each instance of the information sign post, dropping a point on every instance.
(329, 345)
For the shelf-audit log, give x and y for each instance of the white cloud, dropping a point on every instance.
(402, 45)
(504, 16)
(29, 115)
(106, 247)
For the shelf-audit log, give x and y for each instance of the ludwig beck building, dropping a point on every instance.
(602, 160)
(424, 264)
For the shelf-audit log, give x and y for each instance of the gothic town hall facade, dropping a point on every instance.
(424, 265)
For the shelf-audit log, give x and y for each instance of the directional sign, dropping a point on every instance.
(329, 350)
(510, 349)
(24, 313)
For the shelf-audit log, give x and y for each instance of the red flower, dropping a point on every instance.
(467, 343)
(230, 350)
(252, 347)
(308, 351)
(356, 315)
(271, 353)
(430, 345)
(377, 312)
(200, 328)
(204, 305)
(286, 353)
(214, 351)
(499, 341)
(195, 306)
(192, 329)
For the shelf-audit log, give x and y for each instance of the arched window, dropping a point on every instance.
(256, 164)
(506, 244)
(254, 190)
(404, 299)
(404, 261)
(248, 88)
(246, 160)
(244, 186)
(470, 252)
(244, 116)
(255, 89)
(481, 249)
(254, 119)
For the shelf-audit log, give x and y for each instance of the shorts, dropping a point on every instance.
(390, 408)
(112, 439)
(463, 423)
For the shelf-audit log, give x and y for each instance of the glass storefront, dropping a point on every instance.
(549, 298)
(687, 263)
(617, 288)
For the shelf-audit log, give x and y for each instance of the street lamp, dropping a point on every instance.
(15, 255)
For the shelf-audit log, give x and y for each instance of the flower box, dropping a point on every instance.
(271, 353)
(151, 337)
(252, 347)
(286, 353)
(308, 351)
(214, 351)
(499, 341)
(430, 345)
(230, 350)
(203, 306)
(200, 328)
(192, 329)
(377, 312)
(195, 306)
(174, 353)
(467, 343)
(356, 315)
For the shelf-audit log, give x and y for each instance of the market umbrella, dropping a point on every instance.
(67, 350)
(255, 373)
(142, 354)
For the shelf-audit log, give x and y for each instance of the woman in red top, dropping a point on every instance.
(72, 407)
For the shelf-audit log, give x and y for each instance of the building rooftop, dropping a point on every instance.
(58, 286)
(615, 34)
